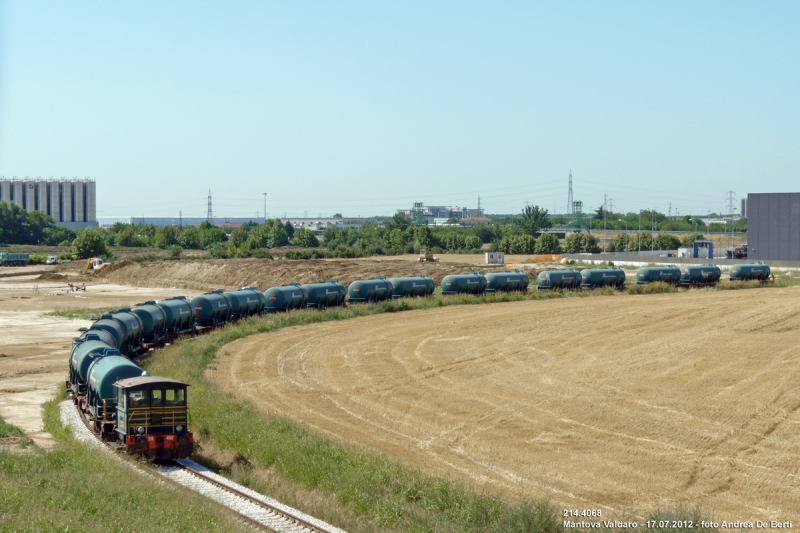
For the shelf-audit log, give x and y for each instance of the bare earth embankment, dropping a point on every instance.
(229, 274)
(621, 403)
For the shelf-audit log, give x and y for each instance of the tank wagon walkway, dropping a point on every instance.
(624, 403)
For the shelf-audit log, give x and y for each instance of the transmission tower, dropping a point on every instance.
(731, 195)
(209, 216)
(569, 196)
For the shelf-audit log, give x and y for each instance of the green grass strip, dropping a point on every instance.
(82, 314)
(7, 430)
(76, 488)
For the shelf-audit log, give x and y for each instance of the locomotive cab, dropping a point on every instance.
(152, 417)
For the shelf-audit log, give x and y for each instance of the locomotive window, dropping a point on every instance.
(137, 398)
(156, 398)
(175, 396)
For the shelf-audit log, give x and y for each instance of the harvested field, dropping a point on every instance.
(625, 403)
(228, 274)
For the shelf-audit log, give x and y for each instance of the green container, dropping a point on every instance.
(83, 355)
(667, 274)
(707, 274)
(132, 342)
(558, 279)
(246, 302)
(179, 318)
(9, 259)
(211, 309)
(511, 281)
(420, 285)
(472, 283)
(154, 322)
(593, 278)
(285, 297)
(331, 293)
(750, 271)
(102, 375)
(370, 290)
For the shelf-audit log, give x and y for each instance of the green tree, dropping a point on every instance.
(522, 244)
(581, 243)
(189, 238)
(472, 242)
(548, 243)
(89, 243)
(12, 223)
(166, 236)
(600, 213)
(57, 235)
(289, 229)
(238, 237)
(424, 236)
(534, 219)
(210, 234)
(400, 221)
(688, 240)
(174, 252)
(38, 224)
(305, 238)
(665, 241)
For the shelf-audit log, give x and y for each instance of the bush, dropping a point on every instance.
(218, 250)
(548, 243)
(36, 259)
(305, 254)
(174, 252)
(89, 243)
(581, 243)
(305, 238)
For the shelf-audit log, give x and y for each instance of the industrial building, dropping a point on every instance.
(773, 226)
(71, 202)
(440, 214)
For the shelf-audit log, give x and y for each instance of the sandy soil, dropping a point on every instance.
(228, 274)
(625, 403)
(34, 349)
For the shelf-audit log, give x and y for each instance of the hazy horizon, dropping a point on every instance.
(361, 108)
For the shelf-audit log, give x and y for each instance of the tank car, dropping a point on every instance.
(472, 283)
(84, 353)
(751, 271)
(419, 285)
(211, 309)
(511, 281)
(285, 297)
(101, 398)
(246, 302)
(179, 318)
(154, 322)
(330, 293)
(126, 329)
(707, 274)
(558, 279)
(602, 277)
(667, 274)
(370, 290)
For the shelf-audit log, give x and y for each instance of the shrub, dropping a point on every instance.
(174, 252)
(89, 243)
(37, 259)
(548, 243)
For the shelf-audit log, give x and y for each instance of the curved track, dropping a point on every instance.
(622, 403)
(262, 511)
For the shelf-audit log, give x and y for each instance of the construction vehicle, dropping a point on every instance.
(740, 252)
(425, 257)
(93, 263)
(52, 260)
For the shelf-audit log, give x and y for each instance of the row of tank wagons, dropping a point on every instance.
(707, 274)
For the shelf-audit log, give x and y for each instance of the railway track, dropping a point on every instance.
(257, 509)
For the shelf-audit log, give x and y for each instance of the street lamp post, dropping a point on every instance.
(639, 236)
(265, 208)
(626, 233)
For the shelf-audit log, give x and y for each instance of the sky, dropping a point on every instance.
(363, 108)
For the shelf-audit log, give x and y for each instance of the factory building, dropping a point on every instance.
(71, 202)
(773, 226)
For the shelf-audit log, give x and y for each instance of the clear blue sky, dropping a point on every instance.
(363, 108)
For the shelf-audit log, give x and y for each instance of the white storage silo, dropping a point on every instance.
(30, 195)
(90, 187)
(78, 214)
(41, 196)
(54, 188)
(66, 200)
(16, 191)
(5, 190)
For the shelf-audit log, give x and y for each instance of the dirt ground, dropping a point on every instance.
(34, 349)
(228, 274)
(624, 403)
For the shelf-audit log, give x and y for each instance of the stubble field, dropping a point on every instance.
(625, 404)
